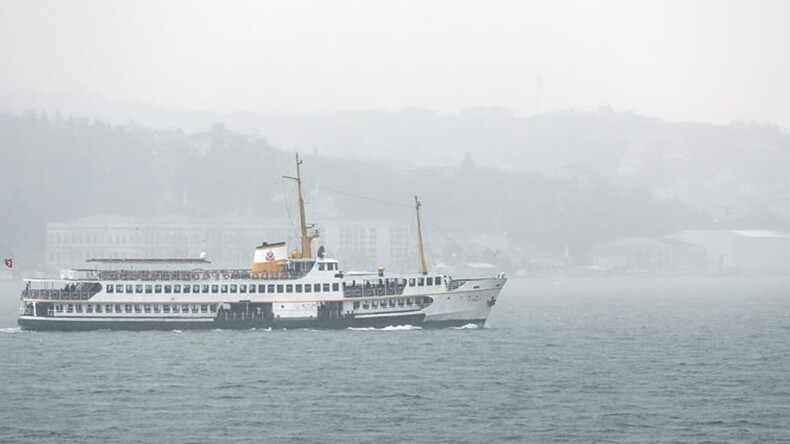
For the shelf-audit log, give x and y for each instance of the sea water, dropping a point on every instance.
(643, 359)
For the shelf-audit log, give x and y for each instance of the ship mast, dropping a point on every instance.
(306, 252)
(423, 266)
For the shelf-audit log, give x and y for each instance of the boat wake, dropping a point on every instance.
(388, 328)
(11, 330)
(467, 327)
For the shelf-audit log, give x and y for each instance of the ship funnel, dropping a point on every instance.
(270, 258)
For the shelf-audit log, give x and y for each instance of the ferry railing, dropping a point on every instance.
(58, 295)
(358, 291)
(194, 275)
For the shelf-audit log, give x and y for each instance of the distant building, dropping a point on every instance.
(645, 254)
(742, 250)
(368, 244)
(228, 241)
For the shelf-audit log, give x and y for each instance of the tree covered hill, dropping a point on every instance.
(57, 169)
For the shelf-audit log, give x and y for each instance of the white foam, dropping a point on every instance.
(388, 328)
(176, 331)
(467, 327)
(10, 330)
(401, 327)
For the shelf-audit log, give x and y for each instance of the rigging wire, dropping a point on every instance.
(358, 196)
(291, 227)
(449, 238)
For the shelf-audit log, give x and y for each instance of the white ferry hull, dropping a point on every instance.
(469, 303)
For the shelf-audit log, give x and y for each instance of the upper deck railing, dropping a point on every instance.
(181, 275)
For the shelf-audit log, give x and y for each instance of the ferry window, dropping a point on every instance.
(58, 308)
(204, 308)
(316, 287)
(108, 308)
(110, 289)
(138, 308)
(177, 288)
(215, 288)
(165, 308)
(375, 304)
(203, 289)
(298, 288)
(147, 308)
(138, 288)
(429, 281)
(185, 308)
(321, 267)
(308, 288)
(400, 302)
(356, 305)
(252, 288)
(437, 280)
(335, 286)
(420, 282)
(224, 288)
(279, 288)
(98, 308)
(269, 288)
(234, 288)
(213, 307)
(289, 288)
(70, 308)
(326, 287)
(333, 267)
(411, 282)
(127, 307)
(129, 288)
(409, 301)
(195, 308)
(79, 308)
(89, 308)
(176, 308)
(169, 288)
(418, 300)
(157, 308)
(157, 288)
(148, 288)
(365, 304)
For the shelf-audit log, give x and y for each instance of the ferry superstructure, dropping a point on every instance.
(278, 291)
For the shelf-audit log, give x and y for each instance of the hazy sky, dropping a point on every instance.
(710, 61)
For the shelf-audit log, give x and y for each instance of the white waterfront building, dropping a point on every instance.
(226, 240)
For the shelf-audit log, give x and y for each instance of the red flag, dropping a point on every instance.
(9, 262)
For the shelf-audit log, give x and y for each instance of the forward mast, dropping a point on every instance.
(307, 237)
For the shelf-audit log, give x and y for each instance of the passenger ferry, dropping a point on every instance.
(278, 291)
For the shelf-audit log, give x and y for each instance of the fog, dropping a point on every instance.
(542, 137)
(711, 61)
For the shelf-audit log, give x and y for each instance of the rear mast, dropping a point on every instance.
(423, 266)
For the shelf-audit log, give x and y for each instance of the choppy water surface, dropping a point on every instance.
(590, 360)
